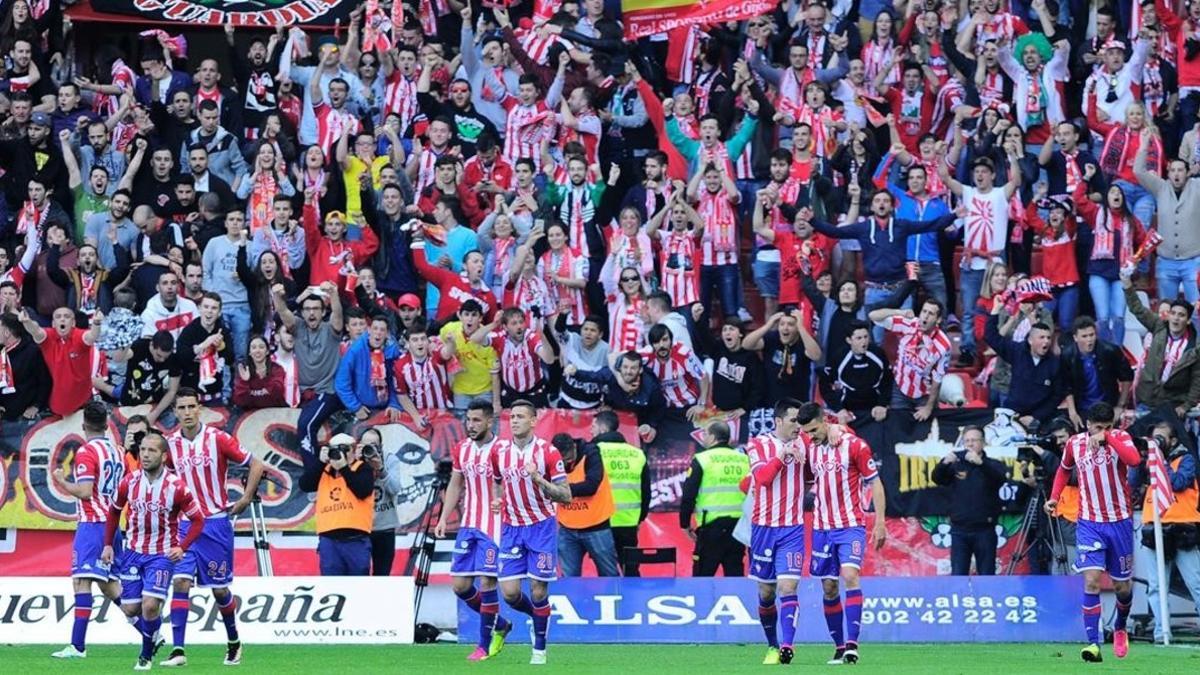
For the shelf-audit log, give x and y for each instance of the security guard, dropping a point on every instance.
(1180, 524)
(713, 491)
(629, 474)
(345, 487)
(583, 524)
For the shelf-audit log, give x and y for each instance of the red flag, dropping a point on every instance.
(1160, 482)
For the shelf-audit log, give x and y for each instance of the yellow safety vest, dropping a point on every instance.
(623, 465)
(339, 509)
(720, 494)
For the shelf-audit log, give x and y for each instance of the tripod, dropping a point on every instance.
(1032, 536)
(420, 556)
(258, 531)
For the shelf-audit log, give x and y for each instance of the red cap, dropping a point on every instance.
(409, 300)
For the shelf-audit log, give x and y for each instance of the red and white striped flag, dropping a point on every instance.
(1160, 482)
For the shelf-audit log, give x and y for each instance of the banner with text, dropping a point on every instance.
(257, 14)
(648, 17)
(717, 610)
(278, 610)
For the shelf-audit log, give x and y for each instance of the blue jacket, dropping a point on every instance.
(922, 247)
(353, 379)
(180, 81)
(884, 250)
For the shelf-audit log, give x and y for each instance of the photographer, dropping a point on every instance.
(135, 431)
(345, 487)
(1036, 463)
(975, 480)
(387, 485)
(1180, 523)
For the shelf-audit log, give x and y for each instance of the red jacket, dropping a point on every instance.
(328, 258)
(260, 392)
(1058, 255)
(453, 288)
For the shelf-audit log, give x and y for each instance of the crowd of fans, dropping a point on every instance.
(520, 204)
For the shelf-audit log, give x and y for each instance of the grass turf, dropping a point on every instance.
(1009, 659)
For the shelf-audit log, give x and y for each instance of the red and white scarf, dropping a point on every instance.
(262, 198)
(89, 287)
(208, 367)
(291, 378)
(379, 376)
(1171, 355)
(278, 248)
(8, 383)
(31, 216)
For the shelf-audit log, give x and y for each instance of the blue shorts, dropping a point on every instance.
(143, 576)
(766, 277)
(475, 554)
(776, 553)
(85, 553)
(832, 549)
(209, 560)
(1105, 546)
(529, 551)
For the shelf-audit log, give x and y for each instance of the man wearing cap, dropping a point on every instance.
(36, 154)
(345, 500)
(408, 309)
(1112, 84)
(333, 258)
(1035, 368)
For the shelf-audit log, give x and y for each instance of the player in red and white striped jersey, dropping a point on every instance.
(155, 499)
(840, 463)
(922, 358)
(776, 482)
(422, 375)
(99, 467)
(473, 479)
(521, 353)
(680, 372)
(200, 456)
(532, 480)
(679, 259)
(1101, 457)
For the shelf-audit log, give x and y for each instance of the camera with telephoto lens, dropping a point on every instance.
(137, 439)
(370, 451)
(338, 453)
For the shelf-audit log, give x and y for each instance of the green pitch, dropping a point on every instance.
(623, 659)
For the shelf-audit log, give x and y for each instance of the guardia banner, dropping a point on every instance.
(249, 13)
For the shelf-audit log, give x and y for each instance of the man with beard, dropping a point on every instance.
(99, 151)
(193, 282)
(225, 157)
(487, 173)
(650, 195)
(90, 198)
(34, 155)
(255, 77)
(204, 180)
(111, 229)
(182, 209)
(328, 70)
(155, 187)
(89, 287)
(152, 375)
(175, 122)
(68, 354)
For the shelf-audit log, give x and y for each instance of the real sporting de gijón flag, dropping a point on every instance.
(648, 17)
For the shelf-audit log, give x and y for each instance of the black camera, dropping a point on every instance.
(338, 453)
(370, 451)
(445, 468)
(1028, 453)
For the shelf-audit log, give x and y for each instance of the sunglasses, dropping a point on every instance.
(624, 279)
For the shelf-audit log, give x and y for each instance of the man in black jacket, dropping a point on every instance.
(974, 480)
(737, 372)
(24, 378)
(1036, 390)
(1093, 371)
(859, 383)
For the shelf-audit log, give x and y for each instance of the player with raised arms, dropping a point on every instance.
(475, 551)
(531, 482)
(777, 527)
(155, 499)
(200, 455)
(99, 468)
(1102, 456)
(840, 463)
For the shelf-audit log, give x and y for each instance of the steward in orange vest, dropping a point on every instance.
(583, 524)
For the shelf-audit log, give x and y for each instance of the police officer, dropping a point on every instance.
(629, 474)
(1180, 523)
(713, 491)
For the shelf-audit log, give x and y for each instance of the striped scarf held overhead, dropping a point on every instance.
(1121, 145)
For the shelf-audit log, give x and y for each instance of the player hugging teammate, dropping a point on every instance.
(804, 448)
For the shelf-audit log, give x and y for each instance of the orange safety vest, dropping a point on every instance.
(585, 512)
(1068, 503)
(339, 509)
(1184, 508)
